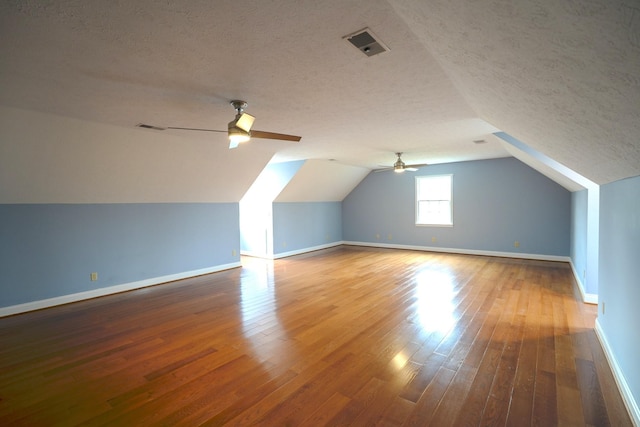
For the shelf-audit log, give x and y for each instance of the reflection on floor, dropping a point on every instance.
(343, 336)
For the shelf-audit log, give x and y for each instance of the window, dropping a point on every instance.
(434, 200)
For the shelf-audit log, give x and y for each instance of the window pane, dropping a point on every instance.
(434, 212)
(433, 200)
(434, 188)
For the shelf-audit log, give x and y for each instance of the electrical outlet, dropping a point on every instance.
(94, 277)
(516, 244)
(284, 244)
(389, 236)
(378, 236)
(603, 308)
(434, 240)
(233, 252)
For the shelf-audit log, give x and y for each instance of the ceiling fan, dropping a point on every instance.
(239, 129)
(400, 167)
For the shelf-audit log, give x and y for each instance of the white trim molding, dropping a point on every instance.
(66, 299)
(587, 298)
(463, 251)
(305, 250)
(256, 254)
(621, 382)
(290, 253)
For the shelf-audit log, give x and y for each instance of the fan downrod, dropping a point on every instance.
(239, 106)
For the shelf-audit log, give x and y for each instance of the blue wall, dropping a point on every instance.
(620, 275)
(303, 225)
(50, 250)
(495, 203)
(579, 232)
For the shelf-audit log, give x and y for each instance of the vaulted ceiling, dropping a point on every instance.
(561, 76)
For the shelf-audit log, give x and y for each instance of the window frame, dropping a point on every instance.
(417, 201)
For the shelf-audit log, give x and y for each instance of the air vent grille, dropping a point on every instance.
(366, 42)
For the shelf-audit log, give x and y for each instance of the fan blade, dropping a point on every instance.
(201, 130)
(273, 135)
(253, 134)
(408, 168)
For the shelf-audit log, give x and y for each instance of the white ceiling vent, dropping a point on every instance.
(366, 42)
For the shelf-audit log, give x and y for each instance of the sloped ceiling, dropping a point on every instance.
(66, 160)
(562, 77)
(337, 181)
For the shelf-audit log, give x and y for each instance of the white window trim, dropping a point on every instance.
(415, 198)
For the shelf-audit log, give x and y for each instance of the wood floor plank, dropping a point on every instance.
(430, 399)
(595, 411)
(347, 336)
(616, 410)
(521, 406)
(397, 412)
(544, 412)
(452, 401)
(327, 411)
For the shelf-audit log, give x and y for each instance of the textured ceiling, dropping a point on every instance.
(561, 76)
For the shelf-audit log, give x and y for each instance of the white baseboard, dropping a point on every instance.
(291, 253)
(256, 254)
(463, 251)
(587, 298)
(305, 250)
(621, 382)
(66, 299)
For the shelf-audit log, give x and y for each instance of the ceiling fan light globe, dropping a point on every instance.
(244, 121)
(239, 137)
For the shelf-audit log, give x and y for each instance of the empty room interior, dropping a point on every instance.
(367, 212)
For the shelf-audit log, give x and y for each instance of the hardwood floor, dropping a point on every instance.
(344, 336)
